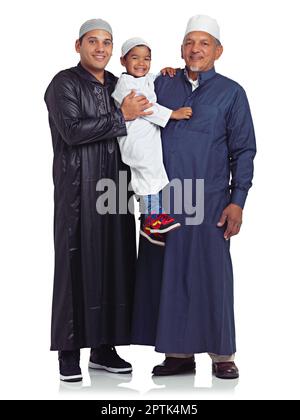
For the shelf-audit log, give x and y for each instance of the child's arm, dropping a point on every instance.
(160, 116)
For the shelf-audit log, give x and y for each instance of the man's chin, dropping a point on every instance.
(100, 65)
(195, 69)
(99, 68)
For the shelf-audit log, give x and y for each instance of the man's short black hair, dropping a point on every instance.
(81, 39)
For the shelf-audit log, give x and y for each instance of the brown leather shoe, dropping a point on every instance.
(175, 366)
(225, 370)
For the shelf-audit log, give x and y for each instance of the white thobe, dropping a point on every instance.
(141, 149)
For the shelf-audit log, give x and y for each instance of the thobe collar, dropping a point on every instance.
(90, 77)
(202, 76)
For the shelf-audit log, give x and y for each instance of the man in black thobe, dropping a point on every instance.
(95, 253)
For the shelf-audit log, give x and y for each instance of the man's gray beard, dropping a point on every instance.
(195, 69)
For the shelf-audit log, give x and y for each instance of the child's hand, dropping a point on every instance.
(182, 114)
(170, 71)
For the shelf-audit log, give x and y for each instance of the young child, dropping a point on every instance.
(141, 149)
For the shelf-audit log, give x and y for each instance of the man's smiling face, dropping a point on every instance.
(95, 50)
(200, 50)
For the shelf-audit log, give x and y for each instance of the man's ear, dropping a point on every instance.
(181, 49)
(219, 52)
(77, 45)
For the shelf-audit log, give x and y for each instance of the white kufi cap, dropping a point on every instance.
(131, 43)
(203, 23)
(92, 24)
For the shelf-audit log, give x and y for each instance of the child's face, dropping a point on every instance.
(137, 61)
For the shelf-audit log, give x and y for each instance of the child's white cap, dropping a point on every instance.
(203, 23)
(131, 43)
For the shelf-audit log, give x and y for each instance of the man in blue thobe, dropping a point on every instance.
(184, 292)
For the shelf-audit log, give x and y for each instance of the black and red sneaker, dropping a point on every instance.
(163, 223)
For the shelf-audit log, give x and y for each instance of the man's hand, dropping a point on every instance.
(134, 106)
(232, 214)
(170, 71)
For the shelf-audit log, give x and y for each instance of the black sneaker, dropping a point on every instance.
(69, 368)
(106, 358)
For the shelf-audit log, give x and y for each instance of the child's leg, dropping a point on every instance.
(157, 221)
(151, 204)
(155, 204)
(143, 203)
(150, 207)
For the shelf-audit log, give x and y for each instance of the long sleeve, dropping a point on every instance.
(242, 148)
(160, 116)
(123, 88)
(64, 110)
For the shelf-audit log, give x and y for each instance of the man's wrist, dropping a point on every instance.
(121, 119)
(238, 197)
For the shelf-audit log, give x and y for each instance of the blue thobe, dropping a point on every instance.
(184, 293)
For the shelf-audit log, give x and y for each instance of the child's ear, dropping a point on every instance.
(123, 61)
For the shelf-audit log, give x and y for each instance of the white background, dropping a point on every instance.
(261, 52)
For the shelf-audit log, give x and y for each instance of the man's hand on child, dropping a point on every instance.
(182, 114)
(135, 106)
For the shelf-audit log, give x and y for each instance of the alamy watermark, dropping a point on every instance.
(184, 197)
